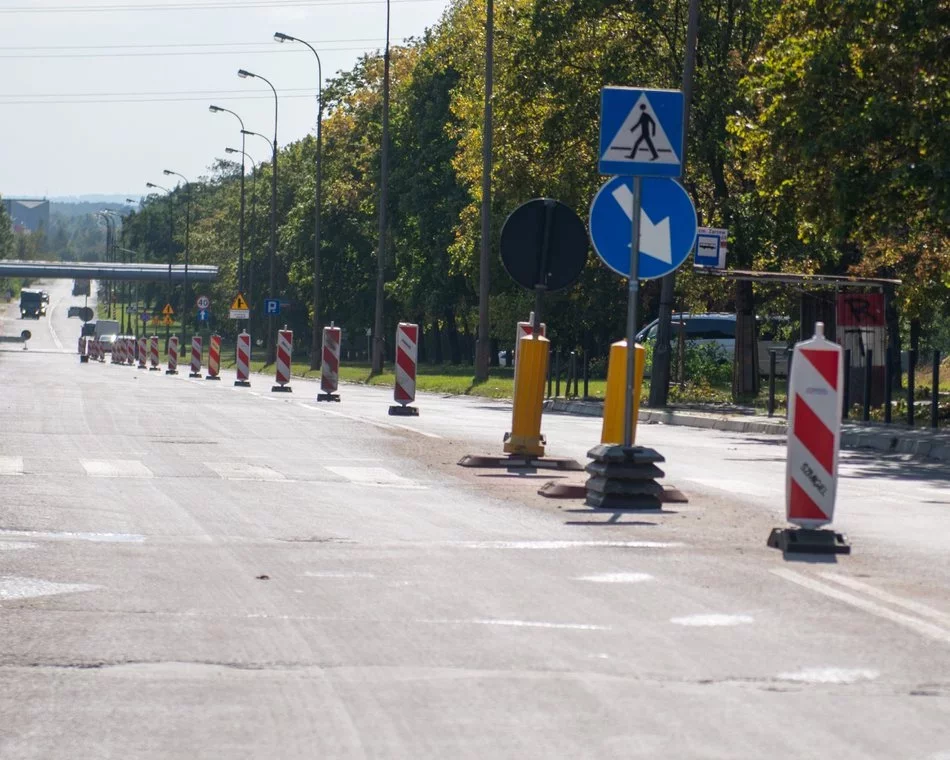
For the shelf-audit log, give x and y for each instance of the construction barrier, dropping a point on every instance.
(214, 358)
(83, 349)
(116, 356)
(531, 370)
(93, 349)
(172, 356)
(153, 353)
(407, 356)
(614, 400)
(196, 348)
(143, 351)
(330, 368)
(131, 343)
(285, 351)
(100, 352)
(243, 363)
(815, 400)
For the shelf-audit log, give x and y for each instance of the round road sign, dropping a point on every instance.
(544, 245)
(26, 335)
(203, 302)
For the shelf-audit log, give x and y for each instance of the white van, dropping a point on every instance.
(107, 330)
(719, 328)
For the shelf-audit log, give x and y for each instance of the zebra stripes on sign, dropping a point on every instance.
(814, 431)
(285, 348)
(172, 356)
(196, 349)
(330, 369)
(214, 358)
(407, 351)
(243, 362)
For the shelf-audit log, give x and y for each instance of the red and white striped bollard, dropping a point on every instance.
(172, 356)
(243, 360)
(143, 352)
(285, 352)
(195, 356)
(214, 358)
(330, 366)
(407, 357)
(153, 353)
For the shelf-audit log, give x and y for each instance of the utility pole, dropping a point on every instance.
(378, 341)
(483, 355)
(662, 351)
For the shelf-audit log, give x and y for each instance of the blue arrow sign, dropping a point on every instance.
(203, 315)
(641, 132)
(667, 226)
(271, 306)
(146, 316)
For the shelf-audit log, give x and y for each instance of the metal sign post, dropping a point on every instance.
(633, 302)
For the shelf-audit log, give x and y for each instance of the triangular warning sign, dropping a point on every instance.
(641, 138)
(239, 302)
(168, 310)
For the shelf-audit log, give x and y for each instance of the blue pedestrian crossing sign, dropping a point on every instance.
(641, 132)
(667, 225)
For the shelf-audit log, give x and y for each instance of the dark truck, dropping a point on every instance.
(32, 304)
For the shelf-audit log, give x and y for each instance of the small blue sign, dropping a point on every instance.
(710, 248)
(146, 316)
(271, 306)
(667, 226)
(641, 132)
(203, 315)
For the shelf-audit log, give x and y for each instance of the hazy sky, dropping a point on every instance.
(101, 101)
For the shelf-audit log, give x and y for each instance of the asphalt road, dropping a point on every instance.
(189, 569)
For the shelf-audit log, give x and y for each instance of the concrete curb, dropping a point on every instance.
(891, 439)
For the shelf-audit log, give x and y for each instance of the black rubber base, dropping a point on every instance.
(154, 369)
(194, 374)
(398, 410)
(808, 541)
(212, 377)
(171, 371)
(518, 461)
(281, 389)
(83, 359)
(328, 397)
(242, 383)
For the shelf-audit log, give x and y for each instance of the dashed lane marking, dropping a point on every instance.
(549, 545)
(52, 330)
(520, 624)
(243, 471)
(921, 609)
(11, 465)
(105, 538)
(922, 627)
(12, 588)
(371, 476)
(616, 578)
(830, 675)
(115, 468)
(713, 620)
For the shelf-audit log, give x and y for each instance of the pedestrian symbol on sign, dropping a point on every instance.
(651, 142)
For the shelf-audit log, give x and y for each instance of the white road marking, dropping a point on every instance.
(12, 546)
(616, 578)
(921, 609)
(341, 574)
(830, 675)
(28, 588)
(713, 620)
(915, 624)
(567, 544)
(244, 471)
(11, 466)
(370, 421)
(370, 476)
(105, 538)
(520, 624)
(115, 468)
(49, 322)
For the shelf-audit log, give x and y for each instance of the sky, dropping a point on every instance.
(100, 96)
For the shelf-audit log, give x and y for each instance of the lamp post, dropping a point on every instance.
(218, 109)
(171, 247)
(132, 290)
(270, 145)
(377, 366)
(110, 251)
(271, 348)
(184, 291)
(315, 340)
(245, 155)
(482, 359)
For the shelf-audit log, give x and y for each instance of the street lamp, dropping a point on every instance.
(171, 247)
(218, 109)
(315, 350)
(110, 253)
(184, 292)
(250, 269)
(377, 365)
(271, 348)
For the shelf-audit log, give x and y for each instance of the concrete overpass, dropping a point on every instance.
(75, 270)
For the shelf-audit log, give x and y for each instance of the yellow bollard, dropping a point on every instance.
(612, 430)
(530, 374)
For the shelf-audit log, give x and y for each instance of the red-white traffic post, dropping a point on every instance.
(100, 352)
(116, 356)
(214, 358)
(130, 353)
(285, 352)
(330, 368)
(143, 351)
(815, 394)
(243, 363)
(407, 357)
(196, 348)
(83, 349)
(172, 356)
(153, 353)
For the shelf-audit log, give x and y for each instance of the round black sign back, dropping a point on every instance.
(544, 244)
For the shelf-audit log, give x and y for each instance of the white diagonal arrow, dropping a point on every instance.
(654, 238)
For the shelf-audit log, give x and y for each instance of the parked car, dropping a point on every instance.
(719, 329)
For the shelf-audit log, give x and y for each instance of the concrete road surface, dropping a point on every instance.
(189, 569)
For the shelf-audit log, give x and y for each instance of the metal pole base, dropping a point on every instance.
(328, 397)
(212, 377)
(194, 374)
(808, 541)
(281, 389)
(398, 410)
(242, 383)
